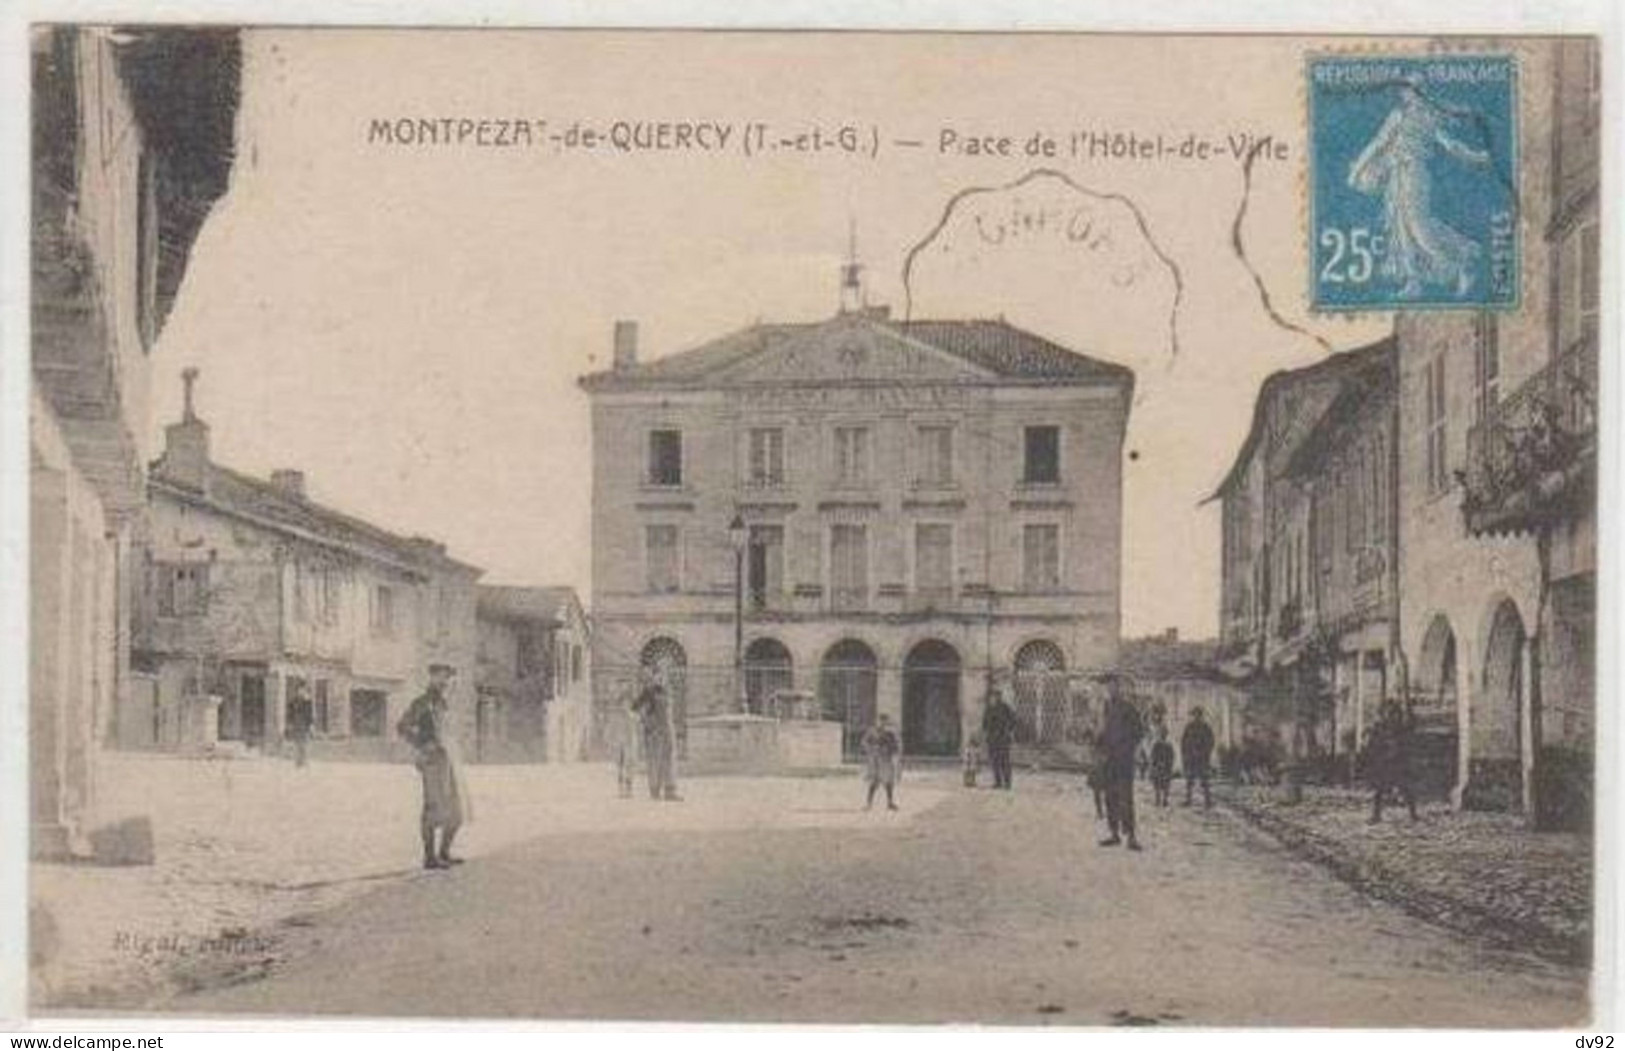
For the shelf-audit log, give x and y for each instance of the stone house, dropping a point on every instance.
(877, 514)
(1306, 590)
(1498, 452)
(258, 608)
(534, 678)
(123, 175)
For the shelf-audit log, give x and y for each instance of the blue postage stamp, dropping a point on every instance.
(1413, 182)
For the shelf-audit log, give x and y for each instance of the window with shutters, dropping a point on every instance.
(382, 617)
(765, 469)
(183, 588)
(1435, 426)
(662, 560)
(323, 715)
(1041, 456)
(665, 466)
(1041, 557)
(849, 566)
(1579, 288)
(934, 455)
(933, 559)
(1487, 365)
(852, 456)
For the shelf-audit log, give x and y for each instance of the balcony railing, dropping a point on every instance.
(848, 599)
(1528, 459)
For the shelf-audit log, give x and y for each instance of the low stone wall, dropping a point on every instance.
(729, 744)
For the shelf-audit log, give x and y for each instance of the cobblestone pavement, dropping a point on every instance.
(970, 906)
(1484, 874)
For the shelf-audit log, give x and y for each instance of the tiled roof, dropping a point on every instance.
(992, 345)
(1374, 378)
(527, 603)
(1277, 384)
(1154, 658)
(233, 492)
(1005, 350)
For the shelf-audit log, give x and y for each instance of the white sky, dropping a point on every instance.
(407, 325)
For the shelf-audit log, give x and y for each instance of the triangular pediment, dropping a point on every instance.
(848, 349)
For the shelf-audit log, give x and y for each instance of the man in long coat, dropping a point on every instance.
(426, 727)
(1196, 748)
(654, 711)
(998, 731)
(1120, 738)
(1389, 760)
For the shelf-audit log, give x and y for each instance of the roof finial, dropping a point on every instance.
(852, 297)
(188, 381)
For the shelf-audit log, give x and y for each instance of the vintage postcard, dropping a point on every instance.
(1043, 529)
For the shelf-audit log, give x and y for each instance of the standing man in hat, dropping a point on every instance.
(1388, 760)
(1196, 748)
(998, 731)
(426, 727)
(653, 708)
(1121, 738)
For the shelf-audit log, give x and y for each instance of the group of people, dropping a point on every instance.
(1196, 745)
(1113, 753)
(1112, 763)
(1112, 759)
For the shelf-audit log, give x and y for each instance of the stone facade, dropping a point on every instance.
(1448, 490)
(534, 676)
(919, 506)
(1487, 549)
(1307, 567)
(122, 177)
(258, 610)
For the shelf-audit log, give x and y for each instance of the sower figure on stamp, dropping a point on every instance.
(1389, 760)
(1196, 756)
(653, 708)
(426, 727)
(1121, 739)
(999, 731)
(881, 749)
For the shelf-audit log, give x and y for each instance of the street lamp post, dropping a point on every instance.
(737, 536)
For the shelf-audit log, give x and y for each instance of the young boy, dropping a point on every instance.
(880, 750)
(973, 759)
(1162, 766)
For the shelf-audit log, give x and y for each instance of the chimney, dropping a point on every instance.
(185, 460)
(626, 345)
(290, 482)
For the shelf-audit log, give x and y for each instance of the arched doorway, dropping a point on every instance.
(666, 660)
(1040, 688)
(931, 699)
(847, 679)
(1495, 758)
(768, 670)
(1433, 710)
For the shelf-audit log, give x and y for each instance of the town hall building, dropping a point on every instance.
(855, 516)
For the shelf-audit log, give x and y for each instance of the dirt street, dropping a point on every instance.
(986, 907)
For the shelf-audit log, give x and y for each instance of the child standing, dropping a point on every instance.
(1162, 766)
(973, 759)
(880, 750)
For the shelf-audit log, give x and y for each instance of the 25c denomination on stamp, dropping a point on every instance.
(1413, 181)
